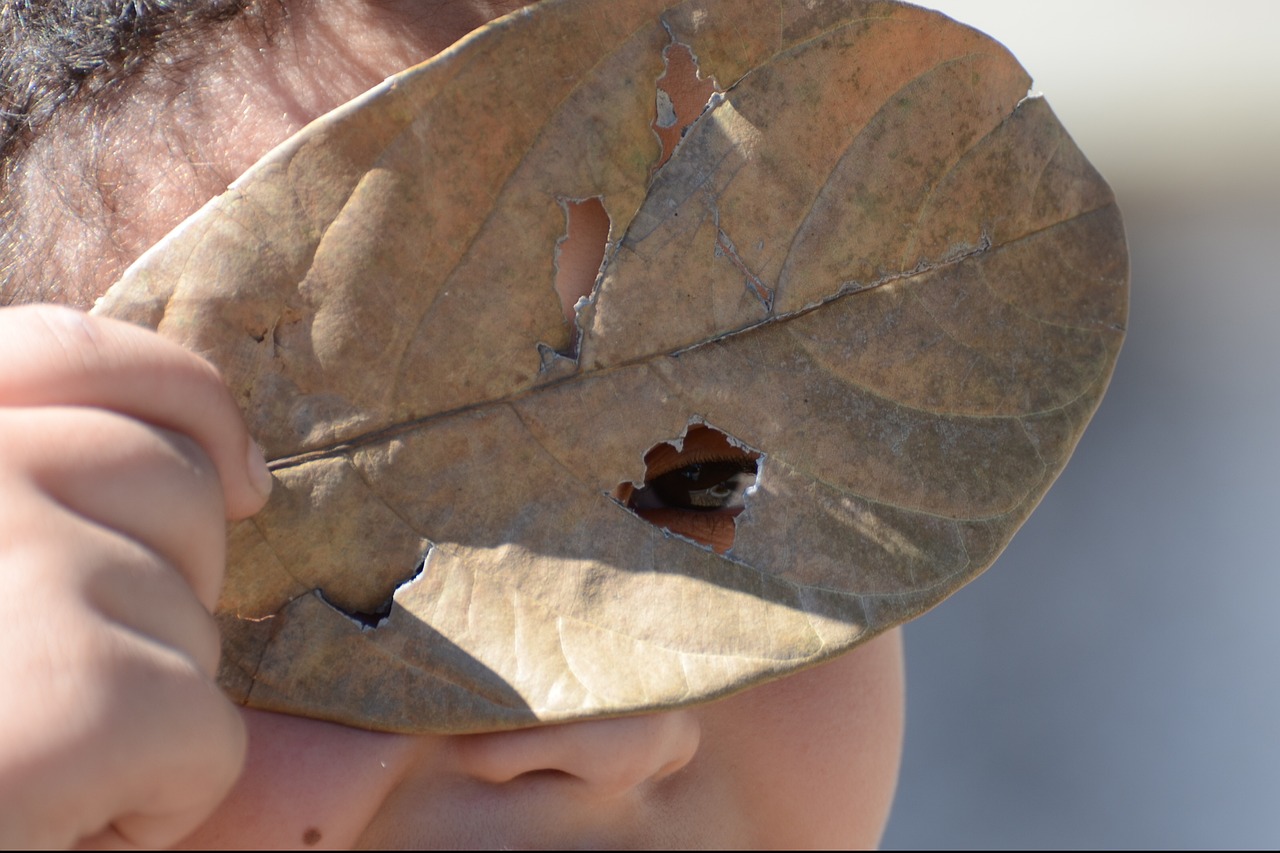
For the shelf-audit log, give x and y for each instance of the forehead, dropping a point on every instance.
(107, 177)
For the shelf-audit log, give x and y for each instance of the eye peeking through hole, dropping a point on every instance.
(696, 490)
(711, 486)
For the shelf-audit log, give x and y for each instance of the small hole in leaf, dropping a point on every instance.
(579, 254)
(695, 487)
(681, 97)
(376, 616)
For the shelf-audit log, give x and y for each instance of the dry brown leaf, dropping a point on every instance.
(873, 259)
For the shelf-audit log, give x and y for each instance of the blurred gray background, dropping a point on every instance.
(1112, 680)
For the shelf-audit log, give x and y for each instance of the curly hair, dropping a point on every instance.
(87, 85)
(75, 59)
(54, 51)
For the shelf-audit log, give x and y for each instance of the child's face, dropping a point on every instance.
(810, 760)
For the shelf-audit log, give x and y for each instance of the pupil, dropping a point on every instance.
(704, 485)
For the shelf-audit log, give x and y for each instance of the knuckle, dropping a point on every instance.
(89, 595)
(147, 684)
(162, 604)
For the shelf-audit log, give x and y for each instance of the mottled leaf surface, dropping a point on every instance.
(872, 259)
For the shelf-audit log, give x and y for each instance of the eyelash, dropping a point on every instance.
(723, 482)
(695, 492)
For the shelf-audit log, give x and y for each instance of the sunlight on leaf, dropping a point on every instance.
(871, 261)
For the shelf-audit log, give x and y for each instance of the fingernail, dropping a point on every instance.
(259, 475)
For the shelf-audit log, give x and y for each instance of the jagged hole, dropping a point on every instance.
(681, 97)
(579, 254)
(376, 617)
(695, 486)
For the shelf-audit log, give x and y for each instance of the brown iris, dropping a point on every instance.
(696, 490)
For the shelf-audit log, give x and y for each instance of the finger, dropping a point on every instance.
(62, 560)
(155, 487)
(192, 744)
(57, 356)
(168, 739)
(114, 722)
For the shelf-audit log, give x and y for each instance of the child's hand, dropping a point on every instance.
(121, 457)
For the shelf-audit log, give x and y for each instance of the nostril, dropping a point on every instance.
(544, 776)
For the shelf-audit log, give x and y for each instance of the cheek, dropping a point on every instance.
(815, 756)
(306, 784)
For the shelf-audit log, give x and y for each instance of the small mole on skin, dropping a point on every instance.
(311, 837)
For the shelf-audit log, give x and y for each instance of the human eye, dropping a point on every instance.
(696, 489)
(712, 485)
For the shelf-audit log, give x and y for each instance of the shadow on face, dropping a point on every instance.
(810, 760)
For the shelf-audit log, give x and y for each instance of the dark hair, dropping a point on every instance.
(53, 51)
(73, 60)
(73, 76)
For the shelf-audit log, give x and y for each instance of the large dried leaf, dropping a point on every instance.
(872, 259)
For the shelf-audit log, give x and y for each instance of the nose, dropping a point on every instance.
(609, 757)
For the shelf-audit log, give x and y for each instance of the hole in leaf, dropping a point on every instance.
(682, 96)
(695, 487)
(374, 618)
(579, 254)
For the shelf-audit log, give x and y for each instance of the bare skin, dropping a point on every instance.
(123, 456)
(123, 459)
